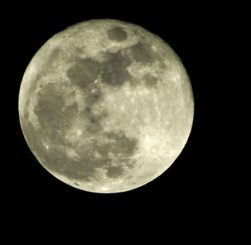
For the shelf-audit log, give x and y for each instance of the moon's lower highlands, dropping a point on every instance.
(106, 106)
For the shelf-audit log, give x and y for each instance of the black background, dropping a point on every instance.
(195, 188)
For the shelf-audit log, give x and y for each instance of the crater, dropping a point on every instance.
(117, 34)
(84, 72)
(114, 71)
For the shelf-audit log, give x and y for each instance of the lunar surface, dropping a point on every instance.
(106, 106)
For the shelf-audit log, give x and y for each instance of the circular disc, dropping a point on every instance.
(106, 106)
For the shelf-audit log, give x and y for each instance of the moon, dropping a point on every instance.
(106, 106)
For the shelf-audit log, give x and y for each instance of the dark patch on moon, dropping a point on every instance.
(94, 120)
(56, 55)
(114, 71)
(93, 96)
(54, 159)
(84, 72)
(142, 52)
(117, 34)
(124, 146)
(150, 80)
(114, 172)
(53, 116)
(121, 147)
(94, 125)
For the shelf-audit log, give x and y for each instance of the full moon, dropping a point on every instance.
(106, 106)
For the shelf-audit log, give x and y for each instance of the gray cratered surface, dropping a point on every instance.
(106, 106)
